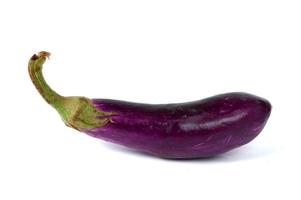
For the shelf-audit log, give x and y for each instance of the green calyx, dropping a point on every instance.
(76, 112)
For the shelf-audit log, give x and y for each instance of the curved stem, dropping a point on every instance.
(76, 112)
(35, 71)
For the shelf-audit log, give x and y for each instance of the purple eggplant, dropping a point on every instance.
(197, 129)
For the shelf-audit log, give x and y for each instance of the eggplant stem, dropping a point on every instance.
(76, 112)
(35, 71)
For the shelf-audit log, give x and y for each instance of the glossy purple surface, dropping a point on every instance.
(196, 129)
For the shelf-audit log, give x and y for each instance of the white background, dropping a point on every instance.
(155, 51)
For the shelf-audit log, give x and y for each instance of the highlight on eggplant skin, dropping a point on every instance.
(197, 129)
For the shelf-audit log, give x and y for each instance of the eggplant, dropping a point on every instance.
(196, 129)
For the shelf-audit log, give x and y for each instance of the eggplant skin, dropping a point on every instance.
(197, 129)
